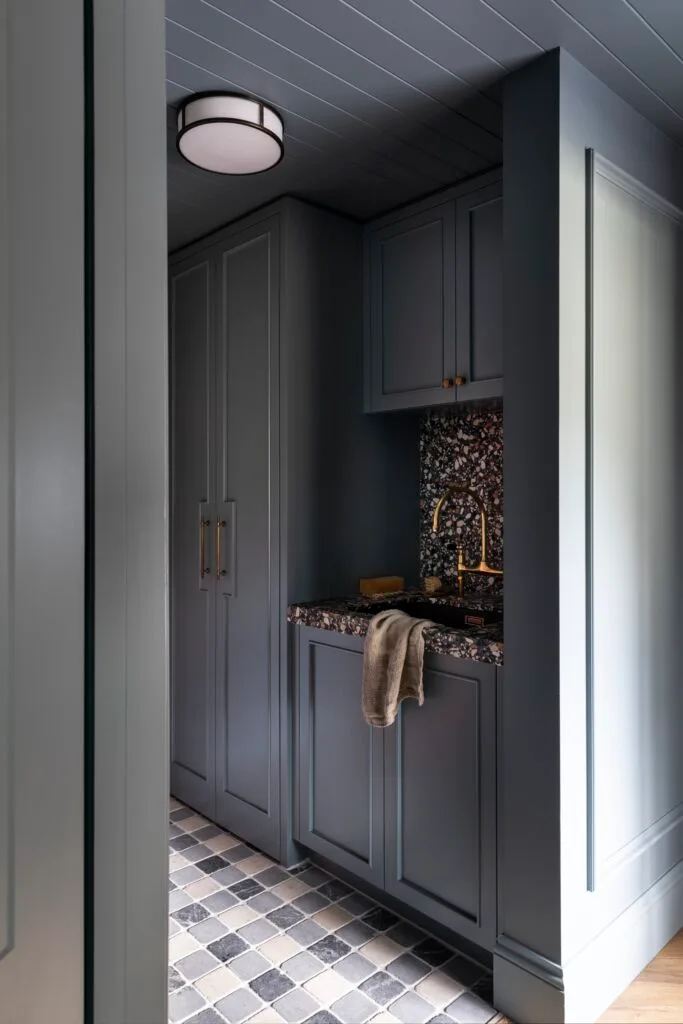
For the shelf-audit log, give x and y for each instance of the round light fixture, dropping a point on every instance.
(228, 133)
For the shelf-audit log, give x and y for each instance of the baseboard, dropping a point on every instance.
(523, 996)
(531, 990)
(597, 975)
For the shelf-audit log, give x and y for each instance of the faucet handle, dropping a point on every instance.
(460, 569)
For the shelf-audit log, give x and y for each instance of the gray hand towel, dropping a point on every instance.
(392, 665)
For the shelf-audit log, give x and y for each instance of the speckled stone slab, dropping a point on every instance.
(463, 446)
(352, 616)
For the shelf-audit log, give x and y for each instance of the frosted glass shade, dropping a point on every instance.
(229, 134)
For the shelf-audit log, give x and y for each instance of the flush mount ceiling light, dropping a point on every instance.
(229, 133)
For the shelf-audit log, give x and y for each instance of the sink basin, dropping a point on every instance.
(442, 614)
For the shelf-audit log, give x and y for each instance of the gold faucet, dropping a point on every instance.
(484, 568)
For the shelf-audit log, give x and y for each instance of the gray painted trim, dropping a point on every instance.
(131, 515)
(529, 899)
(522, 995)
(7, 888)
(529, 960)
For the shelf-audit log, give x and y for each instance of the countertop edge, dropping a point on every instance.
(470, 645)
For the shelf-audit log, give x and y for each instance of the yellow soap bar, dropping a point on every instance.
(381, 585)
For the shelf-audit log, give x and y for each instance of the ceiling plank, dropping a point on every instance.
(664, 17)
(369, 39)
(486, 29)
(622, 30)
(314, 45)
(550, 26)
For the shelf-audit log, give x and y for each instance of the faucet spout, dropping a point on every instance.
(483, 566)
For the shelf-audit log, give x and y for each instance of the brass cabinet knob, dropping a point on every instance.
(460, 381)
(447, 382)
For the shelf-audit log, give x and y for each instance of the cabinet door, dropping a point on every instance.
(247, 530)
(410, 316)
(479, 293)
(339, 757)
(440, 799)
(192, 556)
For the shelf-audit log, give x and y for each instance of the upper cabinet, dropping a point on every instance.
(479, 293)
(433, 295)
(411, 298)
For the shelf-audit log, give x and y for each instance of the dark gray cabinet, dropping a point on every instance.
(411, 296)
(341, 799)
(247, 537)
(440, 798)
(225, 533)
(479, 292)
(192, 501)
(433, 300)
(266, 406)
(411, 808)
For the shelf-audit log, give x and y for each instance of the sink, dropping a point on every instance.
(442, 614)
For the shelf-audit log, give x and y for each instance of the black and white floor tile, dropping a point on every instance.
(252, 942)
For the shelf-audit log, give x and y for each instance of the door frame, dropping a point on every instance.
(130, 392)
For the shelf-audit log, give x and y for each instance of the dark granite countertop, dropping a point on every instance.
(352, 615)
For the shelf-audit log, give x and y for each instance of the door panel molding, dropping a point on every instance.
(633, 236)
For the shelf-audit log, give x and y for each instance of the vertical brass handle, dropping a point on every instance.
(220, 523)
(204, 569)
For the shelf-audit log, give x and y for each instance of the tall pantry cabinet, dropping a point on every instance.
(281, 490)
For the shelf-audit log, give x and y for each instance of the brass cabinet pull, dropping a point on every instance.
(204, 569)
(447, 382)
(220, 524)
(460, 381)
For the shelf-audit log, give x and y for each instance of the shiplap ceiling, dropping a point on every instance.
(387, 100)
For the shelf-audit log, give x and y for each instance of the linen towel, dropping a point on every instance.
(393, 661)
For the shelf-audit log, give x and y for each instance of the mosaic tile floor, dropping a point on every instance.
(250, 941)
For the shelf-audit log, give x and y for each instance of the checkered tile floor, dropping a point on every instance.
(250, 941)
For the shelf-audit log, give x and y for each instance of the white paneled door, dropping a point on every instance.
(41, 512)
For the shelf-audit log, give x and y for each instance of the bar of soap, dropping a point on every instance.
(381, 585)
(432, 585)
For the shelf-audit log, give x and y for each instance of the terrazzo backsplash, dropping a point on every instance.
(464, 447)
